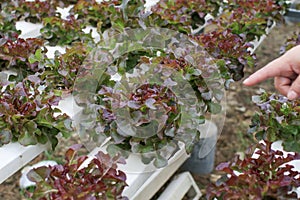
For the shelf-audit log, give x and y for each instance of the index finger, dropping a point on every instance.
(275, 68)
(287, 66)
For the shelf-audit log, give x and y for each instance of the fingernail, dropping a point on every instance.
(246, 81)
(292, 95)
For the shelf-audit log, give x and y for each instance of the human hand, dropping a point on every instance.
(286, 73)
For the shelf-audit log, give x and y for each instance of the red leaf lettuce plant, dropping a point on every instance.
(115, 14)
(277, 119)
(60, 72)
(251, 18)
(7, 23)
(263, 175)
(34, 11)
(16, 53)
(230, 50)
(64, 31)
(140, 114)
(183, 16)
(79, 178)
(28, 57)
(27, 115)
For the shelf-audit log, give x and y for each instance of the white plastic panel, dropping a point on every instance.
(179, 187)
(14, 156)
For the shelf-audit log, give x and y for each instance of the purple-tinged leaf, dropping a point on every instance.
(5, 136)
(223, 166)
(4, 80)
(34, 79)
(133, 105)
(150, 103)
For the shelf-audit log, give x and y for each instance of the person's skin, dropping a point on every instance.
(286, 73)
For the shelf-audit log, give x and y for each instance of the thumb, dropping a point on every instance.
(294, 91)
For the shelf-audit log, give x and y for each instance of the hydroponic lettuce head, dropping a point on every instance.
(146, 90)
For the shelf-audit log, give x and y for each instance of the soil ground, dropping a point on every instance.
(234, 136)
